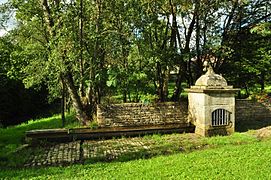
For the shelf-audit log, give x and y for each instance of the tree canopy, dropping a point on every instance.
(138, 50)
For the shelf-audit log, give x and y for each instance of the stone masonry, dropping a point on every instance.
(138, 114)
(212, 105)
(246, 111)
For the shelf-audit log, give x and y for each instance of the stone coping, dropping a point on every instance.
(135, 104)
(107, 132)
(211, 87)
(215, 90)
(48, 131)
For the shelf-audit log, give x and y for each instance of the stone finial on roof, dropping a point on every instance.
(208, 68)
(210, 78)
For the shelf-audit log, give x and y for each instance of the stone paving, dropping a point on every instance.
(112, 149)
(79, 151)
(55, 154)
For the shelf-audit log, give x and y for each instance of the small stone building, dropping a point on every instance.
(212, 105)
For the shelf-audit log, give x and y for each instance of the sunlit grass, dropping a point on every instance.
(250, 161)
(268, 89)
(14, 136)
(174, 156)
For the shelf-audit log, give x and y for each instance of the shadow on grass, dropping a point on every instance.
(176, 143)
(252, 125)
(15, 135)
(116, 151)
(13, 138)
(140, 154)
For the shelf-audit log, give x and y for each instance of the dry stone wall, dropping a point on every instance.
(247, 110)
(138, 114)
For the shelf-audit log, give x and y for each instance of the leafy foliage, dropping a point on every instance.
(99, 49)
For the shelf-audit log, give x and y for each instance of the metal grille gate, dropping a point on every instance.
(220, 117)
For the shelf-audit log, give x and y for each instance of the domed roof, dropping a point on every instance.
(210, 79)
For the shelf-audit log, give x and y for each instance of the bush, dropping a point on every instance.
(262, 97)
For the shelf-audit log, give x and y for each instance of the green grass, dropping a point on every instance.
(167, 145)
(249, 161)
(234, 139)
(268, 89)
(15, 134)
(175, 156)
(13, 137)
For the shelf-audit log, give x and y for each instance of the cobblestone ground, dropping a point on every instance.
(112, 149)
(55, 154)
(79, 151)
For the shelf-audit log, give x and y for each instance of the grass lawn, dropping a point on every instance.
(13, 137)
(249, 161)
(239, 156)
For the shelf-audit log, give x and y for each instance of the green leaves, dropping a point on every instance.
(111, 82)
(131, 46)
(263, 29)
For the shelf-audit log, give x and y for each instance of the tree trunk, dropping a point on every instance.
(63, 102)
(81, 86)
(124, 98)
(67, 78)
(49, 18)
(160, 83)
(198, 53)
(77, 103)
(177, 89)
(165, 83)
(227, 22)
(262, 81)
(182, 63)
(94, 89)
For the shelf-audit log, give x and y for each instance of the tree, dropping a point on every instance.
(95, 47)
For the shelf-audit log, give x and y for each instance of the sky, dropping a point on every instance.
(3, 31)
(3, 1)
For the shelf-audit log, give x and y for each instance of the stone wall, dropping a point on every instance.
(138, 114)
(252, 115)
(248, 114)
(247, 110)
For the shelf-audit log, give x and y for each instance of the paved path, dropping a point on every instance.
(122, 149)
(79, 151)
(54, 154)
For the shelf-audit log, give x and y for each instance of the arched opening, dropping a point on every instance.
(220, 117)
